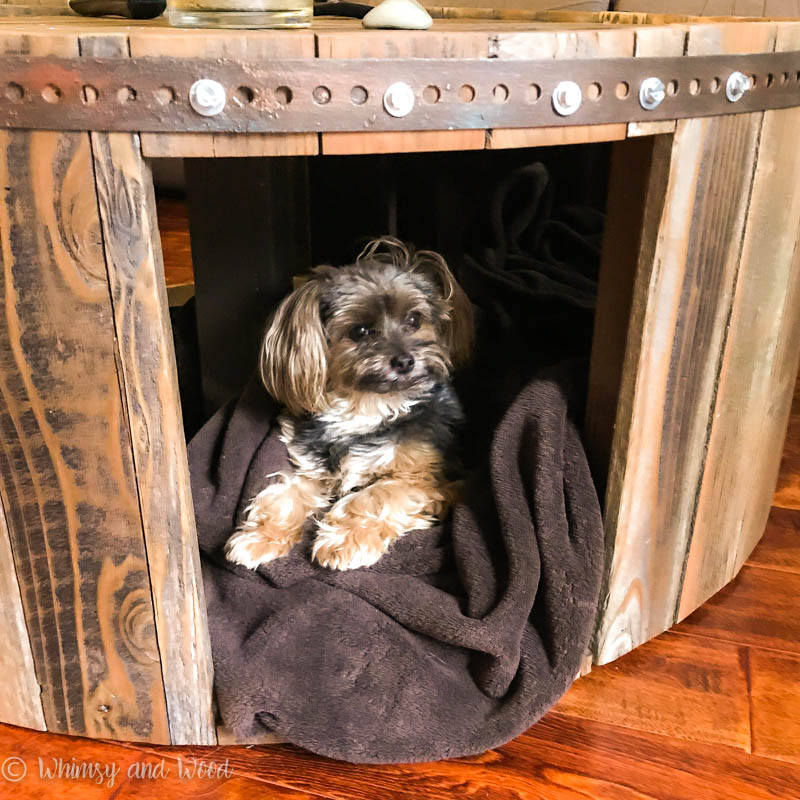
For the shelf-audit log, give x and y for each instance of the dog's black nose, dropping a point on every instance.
(403, 363)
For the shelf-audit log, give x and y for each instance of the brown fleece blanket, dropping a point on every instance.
(455, 642)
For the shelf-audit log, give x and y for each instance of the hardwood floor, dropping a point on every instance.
(707, 711)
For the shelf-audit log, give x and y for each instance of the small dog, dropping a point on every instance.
(360, 357)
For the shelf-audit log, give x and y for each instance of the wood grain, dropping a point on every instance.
(400, 44)
(150, 382)
(67, 468)
(575, 759)
(758, 370)
(559, 758)
(775, 699)
(685, 280)
(754, 609)
(234, 45)
(43, 781)
(739, 8)
(674, 686)
(176, 248)
(652, 42)
(606, 43)
(636, 190)
(779, 548)
(20, 694)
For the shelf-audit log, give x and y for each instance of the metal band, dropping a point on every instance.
(152, 94)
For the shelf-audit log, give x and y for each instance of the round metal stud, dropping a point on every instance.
(398, 99)
(652, 93)
(567, 98)
(737, 85)
(207, 97)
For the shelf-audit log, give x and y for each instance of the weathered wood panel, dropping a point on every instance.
(20, 695)
(409, 44)
(637, 185)
(757, 377)
(601, 43)
(686, 277)
(65, 454)
(72, 507)
(147, 368)
(652, 42)
(252, 45)
(739, 8)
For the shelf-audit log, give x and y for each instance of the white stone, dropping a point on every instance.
(399, 14)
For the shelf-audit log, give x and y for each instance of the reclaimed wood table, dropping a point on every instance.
(697, 332)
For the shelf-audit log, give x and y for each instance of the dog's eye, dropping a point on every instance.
(359, 332)
(414, 320)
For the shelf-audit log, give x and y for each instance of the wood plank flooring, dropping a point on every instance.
(707, 711)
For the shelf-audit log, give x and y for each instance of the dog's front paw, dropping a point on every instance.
(252, 548)
(342, 548)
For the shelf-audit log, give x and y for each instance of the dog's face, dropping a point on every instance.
(384, 330)
(393, 322)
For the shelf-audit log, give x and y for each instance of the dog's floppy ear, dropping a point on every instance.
(460, 326)
(294, 356)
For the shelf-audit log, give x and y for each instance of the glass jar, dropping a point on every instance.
(240, 13)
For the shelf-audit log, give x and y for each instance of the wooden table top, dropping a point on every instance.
(447, 31)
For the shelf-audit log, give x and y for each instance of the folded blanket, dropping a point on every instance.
(457, 640)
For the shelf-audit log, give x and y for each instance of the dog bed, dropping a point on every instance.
(458, 639)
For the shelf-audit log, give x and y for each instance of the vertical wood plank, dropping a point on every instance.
(600, 43)
(72, 507)
(652, 42)
(65, 453)
(688, 266)
(636, 190)
(150, 383)
(20, 694)
(757, 376)
(249, 225)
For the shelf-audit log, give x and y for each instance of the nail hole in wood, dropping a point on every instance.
(593, 91)
(500, 93)
(127, 94)
(244, 95)
(165, 95)
(321, 95)
(14, 92)
(431, 94)
(89, 94)
(466, 94)
(51, 93)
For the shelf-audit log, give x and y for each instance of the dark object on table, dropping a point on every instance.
(334, 8)
(132, 9)
(149, 9)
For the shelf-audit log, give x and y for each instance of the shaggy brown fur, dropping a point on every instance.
(361, 357)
